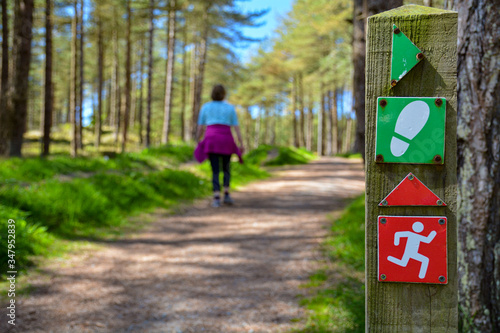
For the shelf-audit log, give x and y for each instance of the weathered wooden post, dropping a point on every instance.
(411, 231)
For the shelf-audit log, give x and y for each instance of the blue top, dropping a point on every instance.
(218, 113)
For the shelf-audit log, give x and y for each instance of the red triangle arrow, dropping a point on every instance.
(411, 192)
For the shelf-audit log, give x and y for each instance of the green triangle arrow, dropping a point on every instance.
(405, 55)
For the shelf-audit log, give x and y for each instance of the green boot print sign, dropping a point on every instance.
(410, 130)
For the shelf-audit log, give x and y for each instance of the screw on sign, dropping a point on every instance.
(412, 249)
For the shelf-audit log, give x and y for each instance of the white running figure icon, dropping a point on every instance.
(412, 245)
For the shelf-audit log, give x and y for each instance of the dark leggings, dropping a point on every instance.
(215, 162)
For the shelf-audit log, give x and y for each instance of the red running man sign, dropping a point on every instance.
(412, 249)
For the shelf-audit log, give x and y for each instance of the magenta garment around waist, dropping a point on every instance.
(218, 140)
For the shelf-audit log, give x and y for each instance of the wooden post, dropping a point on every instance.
(396, 306)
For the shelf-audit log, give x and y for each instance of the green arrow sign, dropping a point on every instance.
(405, 55)
(410, 130)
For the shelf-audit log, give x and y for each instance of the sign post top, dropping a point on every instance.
(413, 10)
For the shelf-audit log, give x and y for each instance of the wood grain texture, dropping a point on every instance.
(404, 307)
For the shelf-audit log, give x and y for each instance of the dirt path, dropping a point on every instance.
(232, 269)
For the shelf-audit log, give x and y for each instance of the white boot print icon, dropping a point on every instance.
(410, 122)
(412, 245)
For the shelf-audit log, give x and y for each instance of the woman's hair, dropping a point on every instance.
(218, 92)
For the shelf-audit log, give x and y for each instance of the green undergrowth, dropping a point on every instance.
(337, 301)
(276, 156)
(349, 155)
(59, 199)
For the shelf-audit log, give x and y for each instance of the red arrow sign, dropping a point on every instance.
(412, 249)
(411, 192)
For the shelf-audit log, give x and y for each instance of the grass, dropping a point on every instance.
(276, 156)
(337, 303)
(349, 155)
(63, 198)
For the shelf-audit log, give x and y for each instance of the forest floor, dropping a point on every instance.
(231, 269)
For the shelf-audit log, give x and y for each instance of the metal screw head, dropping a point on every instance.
(438, 102)
(439, 203)
(384, 202)
(383, 103)
(383, 220)
(393, 83)
(383, 277)
(379, 158)
(441, 278)
(420, 56)
(397, 31)
(410, 177)
(441, 221)
(437, 159)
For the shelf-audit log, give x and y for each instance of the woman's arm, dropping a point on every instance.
(199, 132)
(238, 134)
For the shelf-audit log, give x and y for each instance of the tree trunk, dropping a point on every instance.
(169, 87)
(358, 47)
(201, 66)
(48, 102)
(141, 93)
(4, 83)
(294, 116)
(310, 120)
(108, 105)
(248, 126)
(478, 165)
(128, 78)
(257, 131)
(100, 71)
(319, 143)
(335, 122)
(73, 83)
(363, 9)
(150, 72)
(329, 139)
(82, 80)
(184, 84)
(192, 78)
(300, 96)
(18, 90)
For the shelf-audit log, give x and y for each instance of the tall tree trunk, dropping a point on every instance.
(201, 66)
(358, 48)
(310, 120)
(294, 116)
(248, 126)
(192, 79)
(328, 123)
(100, 81)
(68, 106)
(300, 96)
(141, 93)
(150, 72)
(48, 102)
(323, 118)
(335, 122)
(4, 83)
(128, 78)
(169, 87)
(184, 84)
(363, 9)
(478, 165)
(73, 83)
(82, 80)
(108, 105)
(256, 137)
(321, 112)
(18, 90)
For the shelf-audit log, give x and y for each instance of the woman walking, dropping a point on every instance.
(216, 119)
